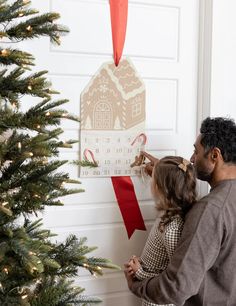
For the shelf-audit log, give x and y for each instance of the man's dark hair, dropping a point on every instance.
(221, 133)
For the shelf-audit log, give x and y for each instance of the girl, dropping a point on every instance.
(173, 188)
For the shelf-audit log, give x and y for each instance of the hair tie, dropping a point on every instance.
(183, 166)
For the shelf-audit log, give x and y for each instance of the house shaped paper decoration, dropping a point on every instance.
(112, 108)
(114, 99)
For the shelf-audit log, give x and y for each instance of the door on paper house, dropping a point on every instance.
(161, 41)
(102, 117)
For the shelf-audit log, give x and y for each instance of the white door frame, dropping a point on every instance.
(204, 69)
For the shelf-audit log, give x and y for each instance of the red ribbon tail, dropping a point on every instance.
(128, 204)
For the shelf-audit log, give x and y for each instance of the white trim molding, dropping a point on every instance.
(204, 59)
(204, 68)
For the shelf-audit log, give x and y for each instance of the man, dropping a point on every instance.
(202, 270)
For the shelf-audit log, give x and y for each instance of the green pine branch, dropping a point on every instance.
(37, 119)
(12, 85)
(85, 163)
(61, 292)
(11, 56)
(34, 27)
(16, 10)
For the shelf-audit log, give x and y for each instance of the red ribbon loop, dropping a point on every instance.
(119, 13)
(127, 201)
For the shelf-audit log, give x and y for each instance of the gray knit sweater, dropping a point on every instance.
(202, 271)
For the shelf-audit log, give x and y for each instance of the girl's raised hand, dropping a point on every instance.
(149, 165)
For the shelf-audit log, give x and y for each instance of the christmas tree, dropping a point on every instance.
(34, 270)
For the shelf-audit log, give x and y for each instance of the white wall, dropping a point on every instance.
(223, 81)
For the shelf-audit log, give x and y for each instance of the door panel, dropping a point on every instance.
(162, 37)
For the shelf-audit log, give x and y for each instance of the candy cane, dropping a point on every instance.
(144, 138)
(86, 152)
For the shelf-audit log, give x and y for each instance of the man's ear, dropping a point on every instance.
(215, 154)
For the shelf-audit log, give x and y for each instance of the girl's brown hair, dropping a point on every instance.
(175, 179)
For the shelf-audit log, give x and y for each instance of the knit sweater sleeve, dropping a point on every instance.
(142, 274)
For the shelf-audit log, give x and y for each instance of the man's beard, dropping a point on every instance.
(204, 176)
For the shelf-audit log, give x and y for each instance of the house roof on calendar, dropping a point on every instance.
(114, 99)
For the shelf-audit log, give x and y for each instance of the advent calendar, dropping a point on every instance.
(112, 120)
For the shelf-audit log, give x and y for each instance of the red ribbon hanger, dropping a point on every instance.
(123, 185)
(119, 13)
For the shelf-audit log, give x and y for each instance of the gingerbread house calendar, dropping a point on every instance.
(112, 117)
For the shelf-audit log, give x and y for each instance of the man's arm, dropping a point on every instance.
(196, 252)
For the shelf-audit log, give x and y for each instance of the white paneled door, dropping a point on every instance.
(162, 42)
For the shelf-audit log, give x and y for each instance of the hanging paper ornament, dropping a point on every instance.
(112, 120)
(112, 116)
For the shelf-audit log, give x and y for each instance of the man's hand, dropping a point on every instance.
(152, 161)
